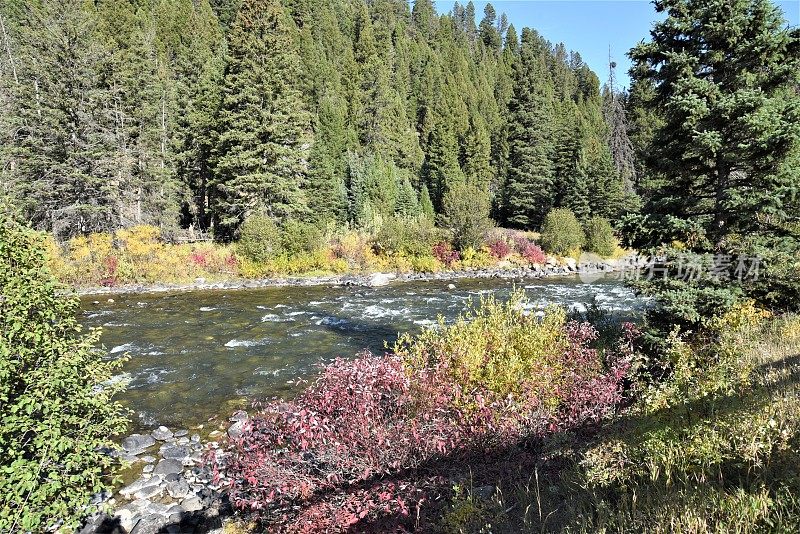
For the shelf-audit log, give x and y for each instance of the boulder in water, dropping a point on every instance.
(380, 279)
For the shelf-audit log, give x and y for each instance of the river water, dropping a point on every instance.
(194, 355)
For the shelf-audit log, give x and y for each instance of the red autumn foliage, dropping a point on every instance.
(499, 249)
(444, 252)
(373, 445)
(530, 250)
(199, 258)
(110, 265)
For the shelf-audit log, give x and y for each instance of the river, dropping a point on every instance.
(194, 355)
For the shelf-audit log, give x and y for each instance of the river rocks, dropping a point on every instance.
(148, 492)
(150, 524)
(168, 466)
(175, 452)
(181, 433)
(139, 485)
(137, 443)
(178, 489)
(380, 279)
(237, 429)
(161, 433)
(192, 504)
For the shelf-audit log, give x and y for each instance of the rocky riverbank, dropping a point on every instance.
(173, 490)
(568, 266)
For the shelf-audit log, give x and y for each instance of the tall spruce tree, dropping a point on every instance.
(731, 117)
(722, 161)
(529, 193)
(62, 161)
(265, 128)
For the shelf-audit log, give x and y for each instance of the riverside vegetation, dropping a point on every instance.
(384, 119)
(139, 255)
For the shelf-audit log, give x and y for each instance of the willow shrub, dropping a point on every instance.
(57, 413)
(600, 237)
(373, 442)
(562, 234)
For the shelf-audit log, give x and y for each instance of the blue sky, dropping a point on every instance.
(590, 26)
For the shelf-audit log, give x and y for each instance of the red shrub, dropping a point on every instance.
(110, 266)
(373, 442)
(443, 252)
(499, 249)
(199, 258)
(530, 251)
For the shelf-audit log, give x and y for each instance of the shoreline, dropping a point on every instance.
(378, 279)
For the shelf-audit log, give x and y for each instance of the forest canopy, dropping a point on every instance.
(201, 113)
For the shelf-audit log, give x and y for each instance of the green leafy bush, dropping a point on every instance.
(600, 237)
(561, 232)
(259, 239)
(411, 236)
(465, 210)
(301, 237)
(57, 412)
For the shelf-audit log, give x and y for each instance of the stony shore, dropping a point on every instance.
(552, 268)
(173, 491)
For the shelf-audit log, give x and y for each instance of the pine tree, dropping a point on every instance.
(425, 204)
(327, 193)
(488, 32)
(477, 154)
(441, 168)
(407, 204)
(198, 72)
(730, 116)
(63, 158)
(265, 129)
(529, 192)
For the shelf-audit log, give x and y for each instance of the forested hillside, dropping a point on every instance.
(200, 113)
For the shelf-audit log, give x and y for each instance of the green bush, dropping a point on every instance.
(600, 237)
(57, 413)
(410, 236)
(465, 211)
(259, 239)
(301, 238)
(561, 232)
(495, 345)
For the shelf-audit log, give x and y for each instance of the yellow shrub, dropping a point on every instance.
(425, 264)
(140, 242)
(495, 345)
(479, 260)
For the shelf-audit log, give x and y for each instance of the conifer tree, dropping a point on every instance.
(327, 193)
(488, 31)
(265, 128)
(529, 193)
(730, 116)
(64, 161)
(425, 203)
(441, 167)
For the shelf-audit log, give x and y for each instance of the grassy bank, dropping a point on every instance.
(714, 448)
(141, 255)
